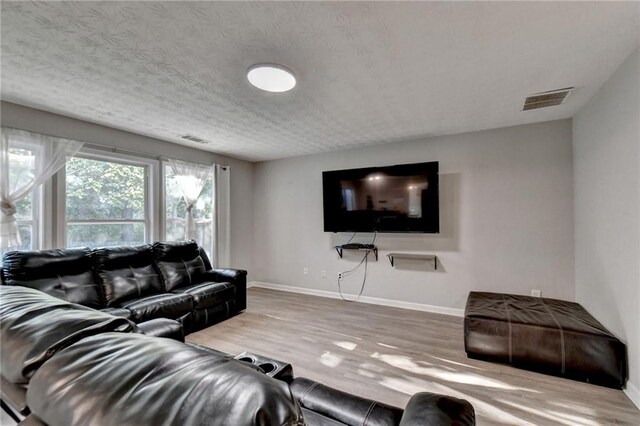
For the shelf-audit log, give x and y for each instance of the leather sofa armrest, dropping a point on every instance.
(237, 277)
(163, 327)
(429, 408)
(342, 407)
(234, 276)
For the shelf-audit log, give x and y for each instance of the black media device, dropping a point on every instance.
(357, 246)
(401, 198)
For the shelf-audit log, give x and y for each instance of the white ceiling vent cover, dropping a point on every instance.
(546, 99)
(193, 138)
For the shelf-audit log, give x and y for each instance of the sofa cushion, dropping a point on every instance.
(162, 327)
(166, 305)
(127, 272)
(118, 312)
(208, 294)
(179, 262)
(35, 325)
(116, 379)
(65, 274)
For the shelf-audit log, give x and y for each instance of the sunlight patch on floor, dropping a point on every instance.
(367, 373)
(346, 345)
(448, 361)
(556, 416)
(405, 363)
(572, 406)
(274, 317)
(330, 359)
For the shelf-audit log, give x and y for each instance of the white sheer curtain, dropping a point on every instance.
(15, 186)
(191, 179)
(222, 217)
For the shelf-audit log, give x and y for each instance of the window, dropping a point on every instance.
(22, 158)
(106, 202)
(106, 198)
(176, 211)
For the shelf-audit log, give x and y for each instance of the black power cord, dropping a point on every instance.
(365, 261)
(352, 237)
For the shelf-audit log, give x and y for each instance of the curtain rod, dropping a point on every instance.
(140, 153)
(103, 147)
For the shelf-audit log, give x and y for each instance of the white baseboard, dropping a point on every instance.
(363, 299)
(633, 393)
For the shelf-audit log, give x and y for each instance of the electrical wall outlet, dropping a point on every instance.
(306, 271)
(323, 274)
(536, 293)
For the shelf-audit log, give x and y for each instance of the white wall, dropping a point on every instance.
(506, 218)
(606, 149)
(21, 117)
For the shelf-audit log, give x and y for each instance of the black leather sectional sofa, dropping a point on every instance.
(66, 364)
(161, 280)
(95, 337)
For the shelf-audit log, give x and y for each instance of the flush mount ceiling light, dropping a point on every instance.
(271, 78)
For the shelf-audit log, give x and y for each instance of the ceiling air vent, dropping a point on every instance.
(194, 139)
(546, 99)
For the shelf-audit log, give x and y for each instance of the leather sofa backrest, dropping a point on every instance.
(131, 379)
(35, 325)
(179, 262)
(205, 259)
(65, 274)
(127, 272)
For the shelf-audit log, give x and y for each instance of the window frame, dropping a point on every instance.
(150, 166)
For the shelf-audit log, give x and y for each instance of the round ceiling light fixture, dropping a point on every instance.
(271, 78)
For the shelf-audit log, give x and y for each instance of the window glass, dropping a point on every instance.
(105, 235)
(176, 211)
(98, 189)
(22, 163)
(105, 203)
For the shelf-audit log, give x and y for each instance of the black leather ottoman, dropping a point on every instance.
(545, 335)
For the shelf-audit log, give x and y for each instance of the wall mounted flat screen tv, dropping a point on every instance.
(401, 198)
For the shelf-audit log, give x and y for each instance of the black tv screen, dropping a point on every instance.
(402, 198)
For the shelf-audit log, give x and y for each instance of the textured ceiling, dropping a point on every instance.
(368, 72)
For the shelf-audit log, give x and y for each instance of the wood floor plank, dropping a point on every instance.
(388, 354)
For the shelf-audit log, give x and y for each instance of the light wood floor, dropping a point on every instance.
(388, 354)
